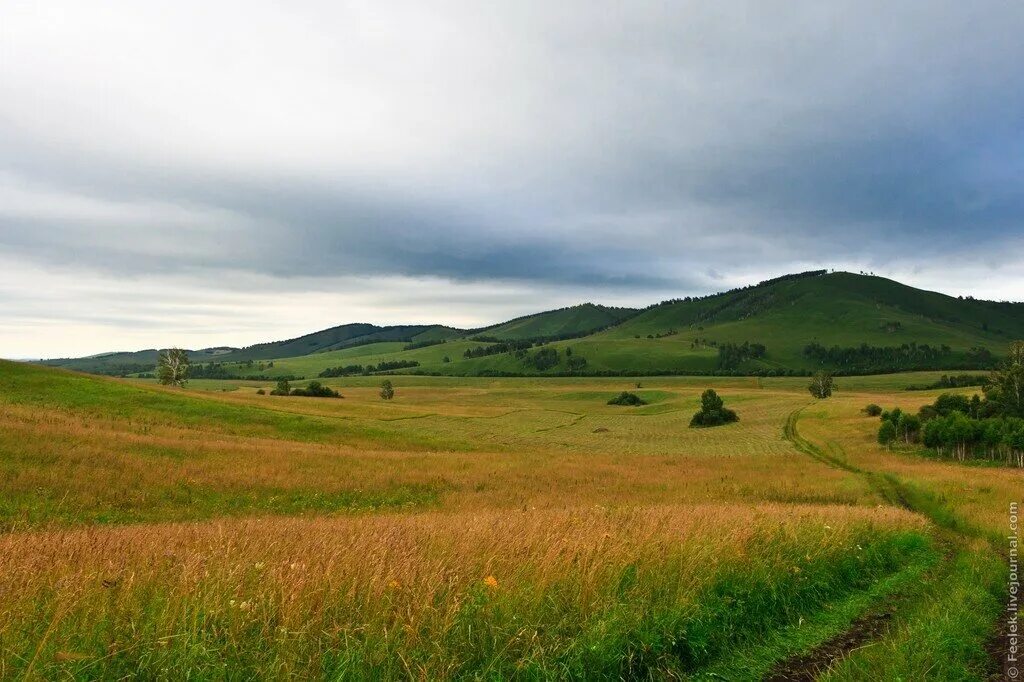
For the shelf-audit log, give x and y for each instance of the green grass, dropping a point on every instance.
(637, 619)
(480, 528)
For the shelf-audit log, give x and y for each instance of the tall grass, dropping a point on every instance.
(581, 593)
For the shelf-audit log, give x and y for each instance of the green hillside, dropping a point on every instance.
(344, 336)
(129, 362)
(852, 324)
(563, 323)
(903, 328)
(837, 309)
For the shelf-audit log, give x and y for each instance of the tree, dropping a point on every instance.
(387, 390)
(887, 433)
(712, 411)
(908, 426)
(1006, 383)
(283, 388)
(822, 385)
(172, 367)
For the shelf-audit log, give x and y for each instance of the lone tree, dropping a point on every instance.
(1005, 386)
(172, 367)
(387, 390)
(822, 385)
(712, 411)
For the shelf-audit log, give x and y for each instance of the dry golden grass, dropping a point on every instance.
(979, 494)
(542, 448)
(542, 532)
(298, 587)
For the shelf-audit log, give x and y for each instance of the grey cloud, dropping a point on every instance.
(637, 147)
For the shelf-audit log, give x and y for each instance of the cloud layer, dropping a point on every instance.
(605, 150)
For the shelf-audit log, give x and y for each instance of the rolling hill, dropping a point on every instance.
(794, 324)
(562, 323)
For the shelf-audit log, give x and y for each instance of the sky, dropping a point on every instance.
(196, 174)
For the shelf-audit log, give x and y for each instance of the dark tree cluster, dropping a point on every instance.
(497, 348)
(544, 359)
(345, 371)
(314, 389)
(865, 358)
(385, 366)
(392, 365)
(712, 411)
(423, 344)
(731, 355)
(947, 381)
(575, 363)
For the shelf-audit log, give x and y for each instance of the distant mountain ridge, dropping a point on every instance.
(847, 322)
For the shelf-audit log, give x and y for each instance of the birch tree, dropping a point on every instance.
(172, 367)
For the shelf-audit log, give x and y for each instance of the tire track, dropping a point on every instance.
(873, 624)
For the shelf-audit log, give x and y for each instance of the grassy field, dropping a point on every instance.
(486, 529)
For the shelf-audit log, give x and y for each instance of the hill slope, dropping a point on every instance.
(575, 320)
(794, 324)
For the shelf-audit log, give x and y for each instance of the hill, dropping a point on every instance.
(343, 336)
(578, 320)
(335, 338)
(795, 324)
(131, 362)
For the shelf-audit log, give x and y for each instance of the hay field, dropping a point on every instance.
(471, 528)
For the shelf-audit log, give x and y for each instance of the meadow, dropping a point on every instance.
(481, 528)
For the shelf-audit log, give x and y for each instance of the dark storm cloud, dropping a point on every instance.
(583, 144)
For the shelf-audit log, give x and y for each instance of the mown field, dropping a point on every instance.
(478, 528)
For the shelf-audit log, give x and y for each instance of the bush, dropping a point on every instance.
(283, 388)
(712, 411)
(316, 390)
(627, 398)
(872, 410)
(387, 390)
(260, 391)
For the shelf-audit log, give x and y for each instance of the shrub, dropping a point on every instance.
(387, 390)
(260, 391)
(283, 388)
(712, 411)
(316, 390)
(627, 398)
(872, 410)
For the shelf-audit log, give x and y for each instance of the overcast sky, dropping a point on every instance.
(196, 173)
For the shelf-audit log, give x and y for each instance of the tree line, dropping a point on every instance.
(731, 355)
(989, 427)
(383, 366)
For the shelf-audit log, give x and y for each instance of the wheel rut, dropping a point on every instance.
(873, 624)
